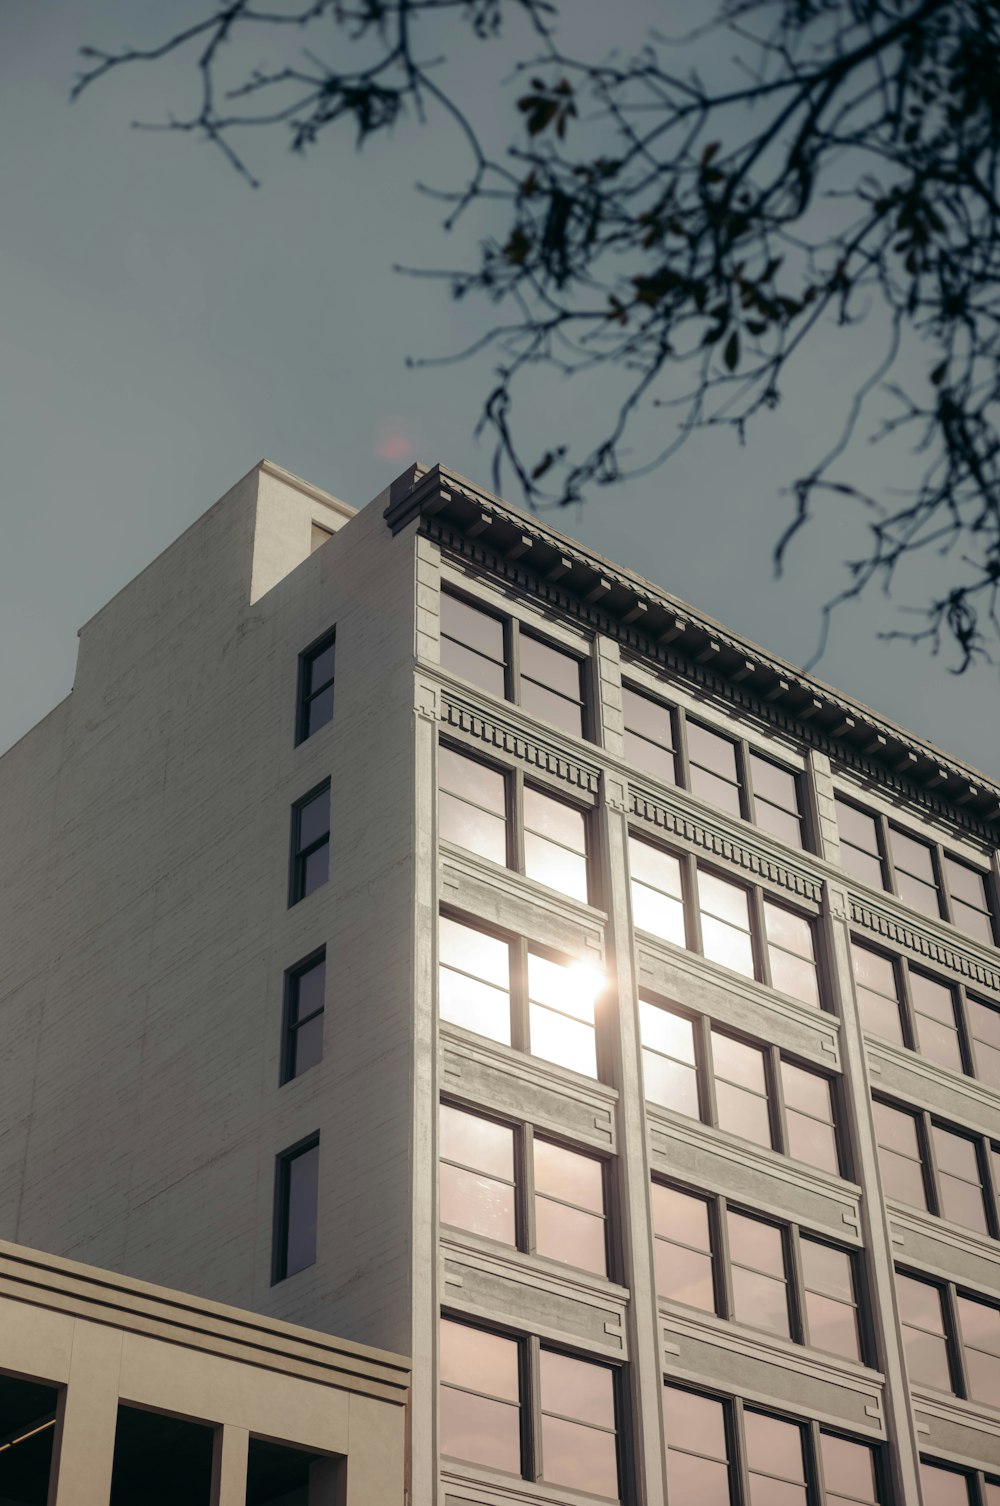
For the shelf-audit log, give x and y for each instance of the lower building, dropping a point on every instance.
(119, 1393)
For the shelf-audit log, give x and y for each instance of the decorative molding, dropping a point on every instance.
(677, 636)
(466, 717)
(715, 840)
(881, 921)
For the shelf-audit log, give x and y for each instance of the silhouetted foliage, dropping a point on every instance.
(660, 226)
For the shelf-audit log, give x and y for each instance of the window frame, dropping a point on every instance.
(976, 1480)
(513, 627)
(949, 1291)
(757, 897)
(524, 1135)
(515, 782)
(792, 1233)
(304, 695)
(986, 1151)
(297, 854)
(939, 852)
(530, 1347)
(743, 747)
(283, 1162)
(290, 1025)
(962, 997)
(519, 947)
(734, 1409)
(703, 1026)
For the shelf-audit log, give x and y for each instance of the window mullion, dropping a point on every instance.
(909, 1019)
(796, 1284)
(514, 787)
(956, 1351)
(739, 1450)
(746, 782)
(692, 913)
(814, 1463)
(932, 1181)
(531, 1409)
(885, 843)
(512, 643)
(758, 935)
(723, 1272)
(526, 1195)
(941, 880)
(988, 1179)
(681, 763)
(705, 1069)
(965, 1044)
(776, 1100)
(519, 1032)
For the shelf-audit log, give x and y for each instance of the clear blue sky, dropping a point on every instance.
(164, 327)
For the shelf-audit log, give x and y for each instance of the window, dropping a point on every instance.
(508, 821)
(715, 1257)
(921, 873)
(310, 843)
(729, 923)
(726, 772)
(316, 674)
(500, 988)
(305, 993)
(490, 1382)
(945, 1485)
(505, 659)
(712, 1443)
(696, 1069)
(510, 1184)
(296, 1199)
(951, 1339)
(931, 1166)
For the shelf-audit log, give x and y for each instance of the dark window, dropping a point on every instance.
(296, 1200)
(27, 1430)
(694, 1068)
(502, 818)
(278, 1475)
(536, 1003)
(316, 675)
(305, 992)
(951, 1338)
(727, 772)
(933, 1166)
(711, 1443)
(922, 873)
(161, 1459)
(506, 660)
(310, 843)
(489, 1381)
(949, 1485)
(731, 924)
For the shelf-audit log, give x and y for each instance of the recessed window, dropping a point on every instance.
(305, 993)
(711, 1444)
(731, 924)
(696, 1069)
(727, 772)
(502, 989)
(951, 1339)
(922, 873)
(310, 865)
(296, 1202)
(485, 1162)
(505, 659)
(316, 676)
(501, 817)
(490, 1380)
(948, 1485)
(932, 1166)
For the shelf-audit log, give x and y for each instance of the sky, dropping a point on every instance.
(163, 327)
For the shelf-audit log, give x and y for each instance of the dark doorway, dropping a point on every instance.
(277, 1475)
(161, 1460)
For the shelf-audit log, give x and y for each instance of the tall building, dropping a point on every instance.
(419, 928)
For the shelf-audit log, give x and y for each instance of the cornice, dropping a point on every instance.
(517, 547)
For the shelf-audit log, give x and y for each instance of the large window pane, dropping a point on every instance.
(474, 980)
(472, 644)
(848, 1471)
(480, 1397)
(657, 893)
(775, 1461)
(969, 904)
(579, 1441)
(668, 1060)
(741, 1089)
(561, 1014)
(757, 1260)
(776, 800)
(472, 805)
(944, 1487)
(791, 954)
(899, 1155)
(934, 1016)
(878, 993)
(984, 1023)
(914, 865)
(550, 684)
(925, 1343)
(569, 1207)
(725, 923)
(809, 1122)
(830, 1302)
(649, 735)
(555, 844)
(477, 1189)
(697, 1449)
(859, 844)
(713, 768)
(683, 1247)
(980, 1324)
(959, 1186)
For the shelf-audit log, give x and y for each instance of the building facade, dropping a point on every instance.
(419, 928)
